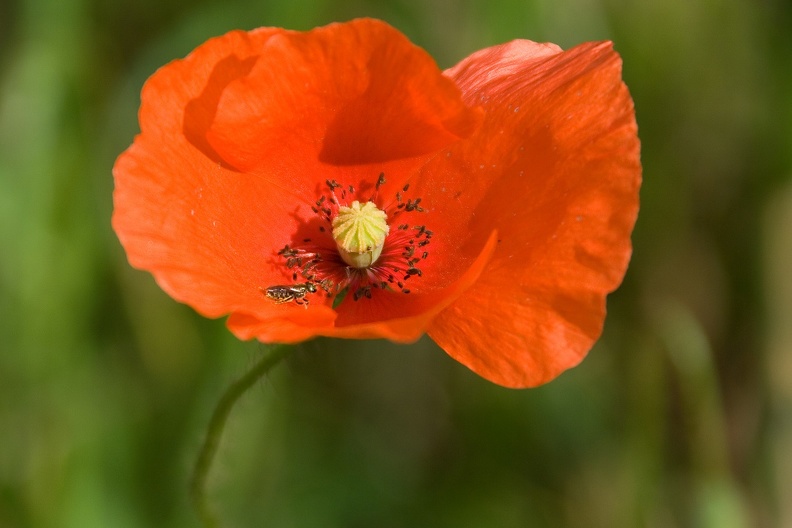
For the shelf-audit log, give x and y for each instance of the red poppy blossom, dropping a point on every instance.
(337, 183)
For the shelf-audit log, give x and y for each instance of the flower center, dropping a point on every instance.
(365, 252)
(359, 232)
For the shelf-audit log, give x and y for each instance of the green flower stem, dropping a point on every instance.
(214, 433)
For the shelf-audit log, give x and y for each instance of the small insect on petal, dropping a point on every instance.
(283, 293)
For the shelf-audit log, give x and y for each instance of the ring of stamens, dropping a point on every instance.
(318, 261)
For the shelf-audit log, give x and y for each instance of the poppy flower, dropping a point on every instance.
(336, 183)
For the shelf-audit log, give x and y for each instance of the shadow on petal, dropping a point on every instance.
(199, 114)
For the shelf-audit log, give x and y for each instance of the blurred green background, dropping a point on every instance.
(680, 417)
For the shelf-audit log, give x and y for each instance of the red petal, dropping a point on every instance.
(555, 169)
(357, 93)
(207, 233)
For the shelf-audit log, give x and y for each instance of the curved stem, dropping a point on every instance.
(214, 433)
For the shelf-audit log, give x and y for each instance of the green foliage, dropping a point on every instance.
(679, 417)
